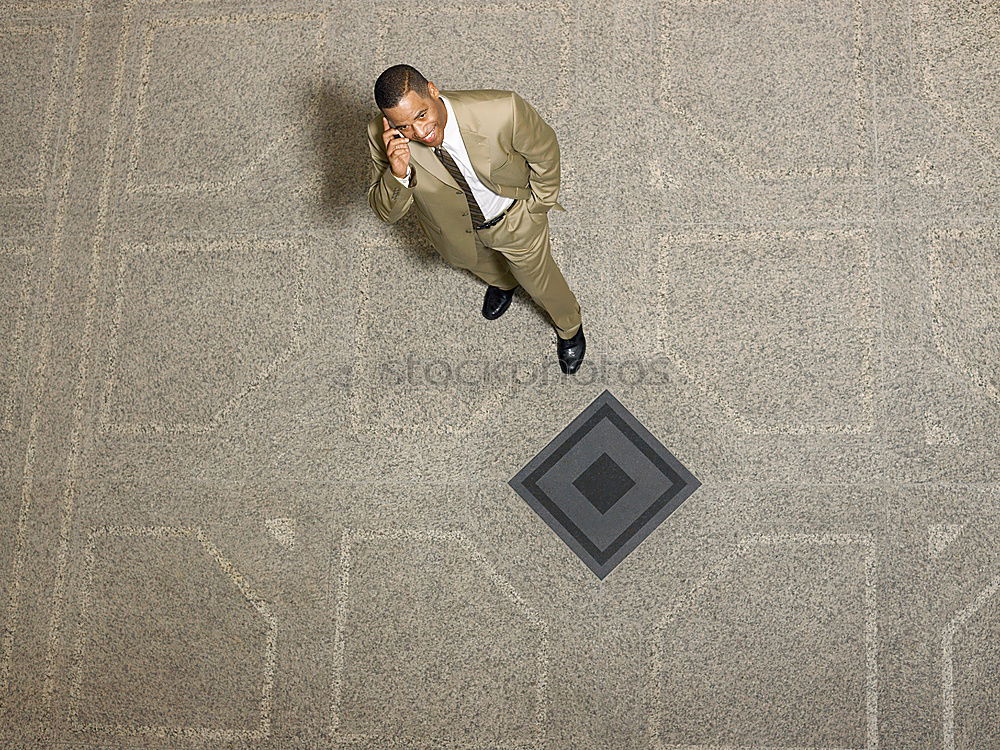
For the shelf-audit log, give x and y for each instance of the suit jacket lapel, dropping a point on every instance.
(475, 143)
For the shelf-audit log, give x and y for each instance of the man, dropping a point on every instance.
(481, 168)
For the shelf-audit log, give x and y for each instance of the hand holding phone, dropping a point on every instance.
(397, 148)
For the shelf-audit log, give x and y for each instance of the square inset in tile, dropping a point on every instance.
(604, 484)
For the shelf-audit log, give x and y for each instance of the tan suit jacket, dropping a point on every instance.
(513, 151)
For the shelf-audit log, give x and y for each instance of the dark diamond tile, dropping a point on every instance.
(604, 484)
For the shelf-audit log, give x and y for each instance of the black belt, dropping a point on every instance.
(495, 219)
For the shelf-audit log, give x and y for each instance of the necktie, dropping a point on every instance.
(474, 211)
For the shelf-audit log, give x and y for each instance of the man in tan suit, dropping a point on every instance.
(481, 168)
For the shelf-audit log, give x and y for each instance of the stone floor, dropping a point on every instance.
(256, 446)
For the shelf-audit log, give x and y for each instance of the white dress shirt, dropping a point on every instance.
(490, 203)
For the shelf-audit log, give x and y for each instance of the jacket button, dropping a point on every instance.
(468, 231)
(458, 192)
(465, 213)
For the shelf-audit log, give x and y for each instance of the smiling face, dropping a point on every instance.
(418, 118)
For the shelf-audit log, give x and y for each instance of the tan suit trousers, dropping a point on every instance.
(517, 250)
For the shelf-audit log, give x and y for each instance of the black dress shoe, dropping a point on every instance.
(496, 301)
(571, 351)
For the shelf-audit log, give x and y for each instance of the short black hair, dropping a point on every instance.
(396, 82)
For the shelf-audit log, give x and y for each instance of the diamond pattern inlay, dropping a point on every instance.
(604, 484)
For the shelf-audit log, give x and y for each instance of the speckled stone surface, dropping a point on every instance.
(255, 444)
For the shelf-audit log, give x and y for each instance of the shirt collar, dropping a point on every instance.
(452, 134)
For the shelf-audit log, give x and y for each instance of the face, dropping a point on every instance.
(418, 118)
